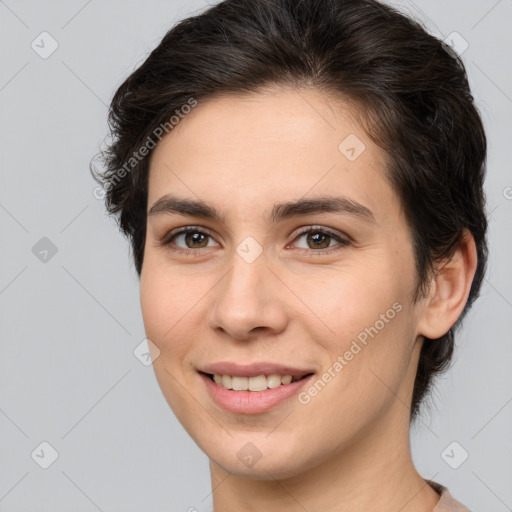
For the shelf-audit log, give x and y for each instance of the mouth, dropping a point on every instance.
(256, 391)
(255, 383)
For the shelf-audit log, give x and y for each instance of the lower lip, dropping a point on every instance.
(252, 402)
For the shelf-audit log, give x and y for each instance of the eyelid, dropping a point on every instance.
(324, 229)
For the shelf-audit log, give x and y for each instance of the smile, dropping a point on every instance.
(252, 389)
(257, 383)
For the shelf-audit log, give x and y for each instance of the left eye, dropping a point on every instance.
(320, 239)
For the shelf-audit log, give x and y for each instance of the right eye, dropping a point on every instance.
(193, 238)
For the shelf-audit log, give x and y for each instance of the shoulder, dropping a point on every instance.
(447, 503)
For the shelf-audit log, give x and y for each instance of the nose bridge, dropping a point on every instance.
(246, 298)
(244, 285)
(248, 264)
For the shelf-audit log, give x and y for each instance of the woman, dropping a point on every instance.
(301, 183)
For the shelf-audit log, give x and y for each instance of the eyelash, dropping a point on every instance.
(311, 229)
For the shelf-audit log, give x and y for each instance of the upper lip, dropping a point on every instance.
(253, 369)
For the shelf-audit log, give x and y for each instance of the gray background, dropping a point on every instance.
(69, 324)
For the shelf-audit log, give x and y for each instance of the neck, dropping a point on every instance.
(375, 472)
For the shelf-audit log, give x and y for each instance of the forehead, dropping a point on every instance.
(244, 151)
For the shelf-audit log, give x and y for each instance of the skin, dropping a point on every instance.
(348, 448)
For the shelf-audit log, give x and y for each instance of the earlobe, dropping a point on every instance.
(449, 290)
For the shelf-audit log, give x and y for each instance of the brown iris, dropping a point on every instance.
(314, 236)
(196, 238)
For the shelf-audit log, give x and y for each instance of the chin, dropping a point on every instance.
(273, 467)
(257, 458)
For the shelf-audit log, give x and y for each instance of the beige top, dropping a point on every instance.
(447, 503)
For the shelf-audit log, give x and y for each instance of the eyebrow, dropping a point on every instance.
(280, 211)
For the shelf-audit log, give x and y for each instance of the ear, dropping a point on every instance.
(449, 290)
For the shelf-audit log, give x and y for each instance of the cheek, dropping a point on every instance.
(166, 291)
(156, 305)
(166, 302)
(362, 327)
(346, 300)
(359, 383)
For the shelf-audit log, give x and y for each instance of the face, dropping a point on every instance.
(298, 262)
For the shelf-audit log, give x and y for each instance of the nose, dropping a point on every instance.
(248, 301)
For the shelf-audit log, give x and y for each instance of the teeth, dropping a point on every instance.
(225, 380)
(259, 383)
(286, 379)
(274, 381)
(240, 383)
